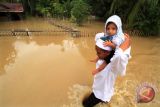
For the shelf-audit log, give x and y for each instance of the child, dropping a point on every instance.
(113, 37)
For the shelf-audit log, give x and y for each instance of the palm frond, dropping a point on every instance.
(134, 12)
(153, 3)
(112, 8)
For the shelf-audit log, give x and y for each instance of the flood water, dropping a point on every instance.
(54, 71)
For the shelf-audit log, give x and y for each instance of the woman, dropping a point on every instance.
(103, 85)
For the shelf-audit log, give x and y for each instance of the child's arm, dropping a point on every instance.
(100, 68)
(109, 43)
(95, 60)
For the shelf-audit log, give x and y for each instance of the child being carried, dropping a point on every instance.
(112, 37)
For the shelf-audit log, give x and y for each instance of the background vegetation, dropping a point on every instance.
(139, 15)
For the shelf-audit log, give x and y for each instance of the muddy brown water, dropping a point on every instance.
(54, 71)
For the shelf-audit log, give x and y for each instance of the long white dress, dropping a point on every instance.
(103, 85)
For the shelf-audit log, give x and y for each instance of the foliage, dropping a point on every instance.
(147, 20)
(80, 11)
(141, 15)
(43, 7)
(58, 9)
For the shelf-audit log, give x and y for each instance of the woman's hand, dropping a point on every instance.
(95, 71)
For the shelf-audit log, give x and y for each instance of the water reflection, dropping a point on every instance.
(7, 52)
(41, 74)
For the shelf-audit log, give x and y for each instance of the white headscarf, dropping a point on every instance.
(117, 21)
(100, 42)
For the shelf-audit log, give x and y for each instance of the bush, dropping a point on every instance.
(80, 11)
(148, 21)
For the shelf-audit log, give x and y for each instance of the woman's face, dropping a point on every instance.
(111, 29)
(102, 54)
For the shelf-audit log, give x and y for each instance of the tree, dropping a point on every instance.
(80, 11)
(43, 7)
(147, 18)
(141, 15)
(57, 9)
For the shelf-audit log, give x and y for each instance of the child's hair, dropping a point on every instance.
(111, 23)
(108, 58)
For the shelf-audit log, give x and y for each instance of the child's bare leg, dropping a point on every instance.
(101, 67)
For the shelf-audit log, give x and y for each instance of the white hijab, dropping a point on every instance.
(117, 21)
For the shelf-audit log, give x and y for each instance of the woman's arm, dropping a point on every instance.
(120, 60)
(126, 44)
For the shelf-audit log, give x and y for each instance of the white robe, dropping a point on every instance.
(103, 85)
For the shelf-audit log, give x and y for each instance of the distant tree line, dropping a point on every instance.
(140, 15)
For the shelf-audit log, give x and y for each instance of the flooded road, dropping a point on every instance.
(54, 71)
